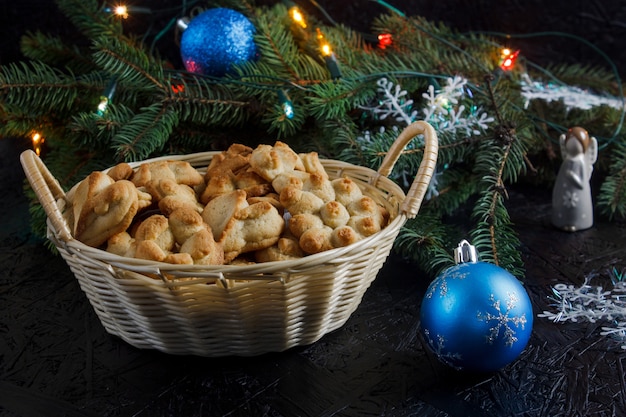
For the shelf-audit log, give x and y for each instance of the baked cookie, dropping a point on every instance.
(109, 212)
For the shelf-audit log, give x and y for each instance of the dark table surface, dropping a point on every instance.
(57, 360)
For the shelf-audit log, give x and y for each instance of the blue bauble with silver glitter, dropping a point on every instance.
(475, 315)
(217, 39)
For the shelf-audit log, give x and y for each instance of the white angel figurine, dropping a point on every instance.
(572, 206)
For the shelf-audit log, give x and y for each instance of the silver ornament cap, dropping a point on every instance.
(182, 23)
(465, 253)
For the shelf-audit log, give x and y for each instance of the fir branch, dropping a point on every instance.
(430, 45)
(129, 63)
(280, 54)
(493, 235)
(156, 112)
(343, 145)
(14, 122)
(331, 100)
(145, 133)
(457, 188)
(612, 196)
(39, 87)
(200, 101)
(425, 240)
(94, 131)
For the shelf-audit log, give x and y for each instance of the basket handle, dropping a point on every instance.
(411, 204)
(48, 191)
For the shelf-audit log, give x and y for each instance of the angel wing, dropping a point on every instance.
(591, 154)
(562, 139)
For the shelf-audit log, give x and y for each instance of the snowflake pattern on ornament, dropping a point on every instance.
(503, 322)
(449, 358)
(441, 283)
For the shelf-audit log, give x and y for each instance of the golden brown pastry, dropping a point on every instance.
(320, 186)
(234, 159)
(180, 258)
(300, 223)
(343, 236)
(252, 183)
(226, 182)
(217, 185)
(122, 244)
(365, 225)
(257, 226)
(171, 196)
(220, 211)
(202, 248)
(267, 204)
(334, 214)
(346, 190)
(292, 178)
(156, 228)
(312, 164)
(179, 171)
(270, 161)
(297, 201)
(184, 223)
(107, 213)
(272, 198)
(121, 171)
(150, 251)
(316, 240)
(287, 248)
(85, 190)
(367, 207)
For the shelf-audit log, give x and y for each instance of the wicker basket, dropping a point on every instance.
(236, 310)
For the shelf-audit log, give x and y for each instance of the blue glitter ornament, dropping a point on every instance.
(475, 315)
(217, 39)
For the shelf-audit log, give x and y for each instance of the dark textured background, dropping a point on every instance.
(56, 359)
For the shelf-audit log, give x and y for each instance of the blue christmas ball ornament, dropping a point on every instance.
(475, 315)
(215, 40)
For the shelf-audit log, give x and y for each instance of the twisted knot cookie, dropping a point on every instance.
(230, 171)
(240, 226)
(102, 207)
(250, 205)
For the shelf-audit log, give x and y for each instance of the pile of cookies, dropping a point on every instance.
(250, 205)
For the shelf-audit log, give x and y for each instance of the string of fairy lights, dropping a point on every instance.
(301, 28)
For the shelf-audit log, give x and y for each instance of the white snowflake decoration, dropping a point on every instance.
(393, 103)
(440, 110)
(572, 97)
(591, 303)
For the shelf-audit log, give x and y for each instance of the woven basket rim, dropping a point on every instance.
(404, 205)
